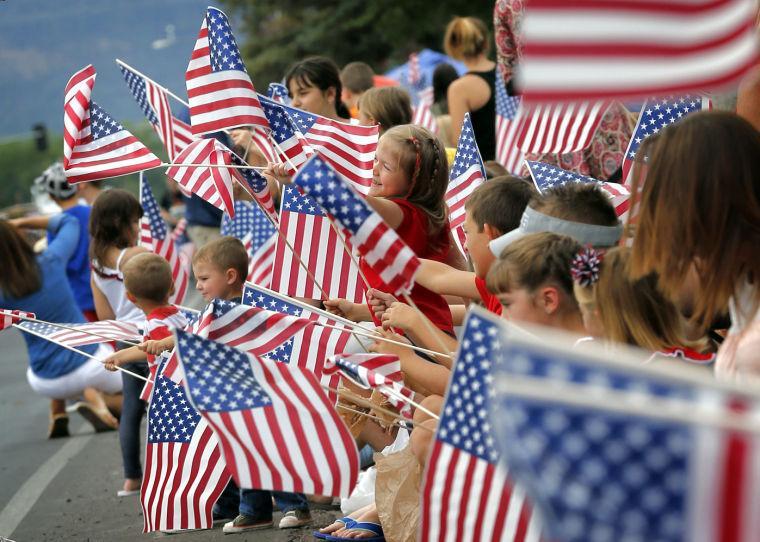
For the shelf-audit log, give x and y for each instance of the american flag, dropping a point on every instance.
(508, 152)
(349, 148)
(155, 236)
(422, 114)
(309, 349)
(277, 429)
(259, 237)
(293, 147)
(218, 86)
(376, 371)
(256, 185)
(547, 176)
(9, 317)
(413, 73)
(656, 114)
(213, 184)
(154, 103)
(96, 146)
(320, 248)
(598, 49)
(185, 472)
(467, 173)
(158, 328)
(76, 109)
(279, 93)
(246, 328)
(380, 246)
(558, 128)
(466, 493)
(81, 334)
(593, 438)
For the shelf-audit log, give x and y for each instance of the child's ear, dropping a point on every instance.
(171, 290)
(491, 232)
(549, 299)
(330, 94)
(131, 298)
(231, 276)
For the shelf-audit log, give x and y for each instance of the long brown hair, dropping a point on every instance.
(111, 221)
(19, 273)
(423, 158)
(633, 311)
(700, 206)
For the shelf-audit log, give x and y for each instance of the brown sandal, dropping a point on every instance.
(59, 426)
(99, 421)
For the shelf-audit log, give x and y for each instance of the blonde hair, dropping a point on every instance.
(225, 253)
(633, 311)
(533, 261)
(422, 157)
(389, 106)
(466, 37)
(148, 276)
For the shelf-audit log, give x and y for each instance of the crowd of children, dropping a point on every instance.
(682, 285)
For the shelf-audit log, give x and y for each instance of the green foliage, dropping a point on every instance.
(275, 33)
(21, 163)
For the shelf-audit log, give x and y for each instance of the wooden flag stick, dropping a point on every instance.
(81, 353)
(216, 166)
(70, 328)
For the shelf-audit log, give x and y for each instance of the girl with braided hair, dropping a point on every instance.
(408, 187)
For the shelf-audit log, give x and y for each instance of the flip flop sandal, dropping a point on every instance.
(89, 414)
(365, 526)
(347, 521)
(59, 426)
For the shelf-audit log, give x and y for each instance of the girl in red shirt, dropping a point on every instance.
(408, 187)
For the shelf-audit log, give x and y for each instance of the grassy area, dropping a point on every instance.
(21, 163)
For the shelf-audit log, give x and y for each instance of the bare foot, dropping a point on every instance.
(338, 527)
(132, 484)
(369, 514)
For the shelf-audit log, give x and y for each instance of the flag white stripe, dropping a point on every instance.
(689, 70)
(635, 26)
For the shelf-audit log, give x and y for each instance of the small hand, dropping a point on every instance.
(400, 315)
(156, 347)
(379, 301)
(241, 137)
(341, 307)
(112, 362)
(278, 172)
(384, 347)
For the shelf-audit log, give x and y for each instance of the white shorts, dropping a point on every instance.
(91, 374)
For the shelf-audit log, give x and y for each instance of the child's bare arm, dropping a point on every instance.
(128, 355)
(156, 347)
(417, 371)
(445, 280)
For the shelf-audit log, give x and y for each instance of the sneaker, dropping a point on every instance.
(244, 523)
(295, 518)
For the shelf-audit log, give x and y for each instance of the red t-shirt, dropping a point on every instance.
(159, 325)
(413, 230)
(491, 302)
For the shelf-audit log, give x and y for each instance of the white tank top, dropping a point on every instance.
(111, 283)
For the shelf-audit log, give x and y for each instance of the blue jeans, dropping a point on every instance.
(132, 411)
(256, 502)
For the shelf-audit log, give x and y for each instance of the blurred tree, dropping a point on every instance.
(275, 33)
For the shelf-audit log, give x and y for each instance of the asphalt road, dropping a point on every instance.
(65, 490)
